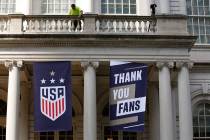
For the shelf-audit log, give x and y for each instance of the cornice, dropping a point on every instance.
(99, 39)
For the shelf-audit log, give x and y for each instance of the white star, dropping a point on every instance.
(43, 81)
(52, 81)
(61, 80)
(52, 73)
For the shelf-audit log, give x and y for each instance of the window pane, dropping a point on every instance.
(103, 8)
(202, 131)
(111, 1)
(201, 11)
(118, 1)
(195, 131)
(125, 9)
(133, 9)
(119, 9)
(203, 38)
(133, 1)
(111, 8)
(103, 1)
(194, 2)
(200, 2)
(202, 30)
(208, 30)
(195, 10)
(125, 1)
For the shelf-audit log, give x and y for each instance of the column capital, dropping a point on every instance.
(86, 64)
(184, 64)
(167, 64)
(9, 64)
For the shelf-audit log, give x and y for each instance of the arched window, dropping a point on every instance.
(55, 6)
(201, 122)
(118, 6)
(7, 6)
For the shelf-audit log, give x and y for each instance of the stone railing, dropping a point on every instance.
(49, 23)
(4, 24)
(132, 24)
(93, 24)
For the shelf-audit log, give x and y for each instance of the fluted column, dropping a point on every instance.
(185, 106)
(13, 100)
(165, 101)
(90, 119)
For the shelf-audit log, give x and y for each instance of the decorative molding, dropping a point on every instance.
(184, 64)
(86, 64)
(160, 65)
(10, 64)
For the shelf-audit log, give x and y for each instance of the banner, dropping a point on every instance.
(52, 96)
(127, 100)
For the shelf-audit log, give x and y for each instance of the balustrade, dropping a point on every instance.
(93, 24)
(132, 24)
(4, 24)
(54, 24)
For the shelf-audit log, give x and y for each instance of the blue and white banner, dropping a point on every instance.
(127, 100)
(52, 96)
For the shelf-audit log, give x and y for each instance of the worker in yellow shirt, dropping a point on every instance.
(75, 11)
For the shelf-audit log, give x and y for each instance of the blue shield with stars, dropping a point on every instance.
(52, 96)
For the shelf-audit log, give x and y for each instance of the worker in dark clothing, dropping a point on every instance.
(153, 7)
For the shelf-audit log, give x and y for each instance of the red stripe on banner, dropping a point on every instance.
(42, 105)
(53, 110)
(59, 106)
(62, 104)
(56, 108)
(46, 107)
(49, 109)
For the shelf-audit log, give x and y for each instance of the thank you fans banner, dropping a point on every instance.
(127, 100)
(52, 96)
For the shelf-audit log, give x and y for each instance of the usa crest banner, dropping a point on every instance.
(127, 100)
(52, 96)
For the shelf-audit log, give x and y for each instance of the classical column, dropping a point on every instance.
(185, 106)
(90, 119)
(13, 100)
(164, 7)
(165, 101)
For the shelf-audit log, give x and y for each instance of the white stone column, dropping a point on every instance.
(23, 7)
(164, 7)
(165, 101)
(185, 106)
(143, 7)
(86, 6)
(13, 100)
(90, 119)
